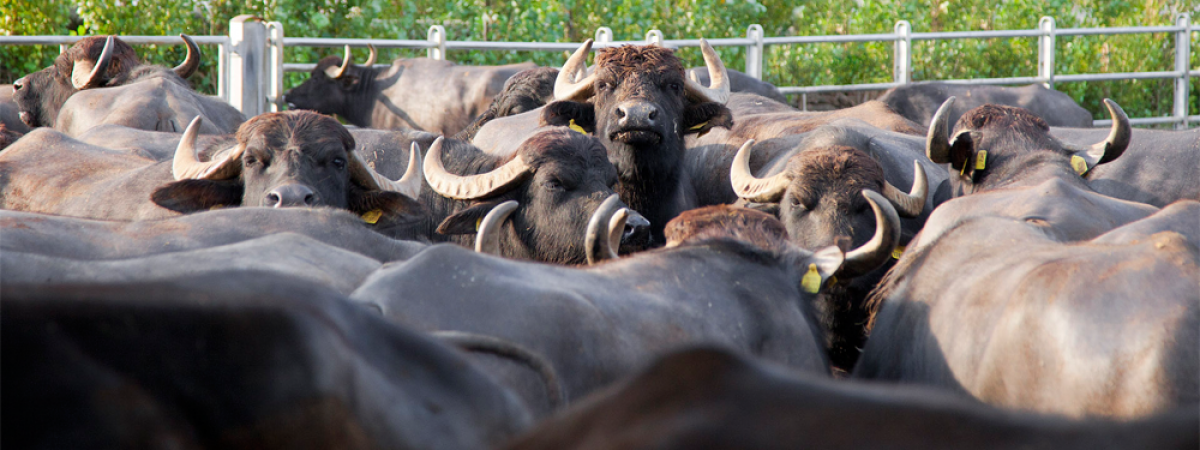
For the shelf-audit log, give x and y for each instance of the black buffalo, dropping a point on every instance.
(526, 91)
(239, 359)
(279, 159)
(919, 101)
(728, 276)
(710, 398)
(1158, 168)
(640, 105)
(421, 93)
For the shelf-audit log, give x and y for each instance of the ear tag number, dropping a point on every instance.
(811, 281)
(898, 252)
(981, 160)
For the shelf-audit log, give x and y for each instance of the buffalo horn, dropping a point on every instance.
(566, 87)
(604, 230)
(487, 237)
(909, 204)
(1112, 146)
(937, 140)
(341, 70)
(187, 166)
(96, 76)
(719, 88)
(876, 251)
(747, 186)
(371, 57)
(191, 62)
(471, 187)
(409, 184)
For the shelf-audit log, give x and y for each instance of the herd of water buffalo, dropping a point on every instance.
(627, 255)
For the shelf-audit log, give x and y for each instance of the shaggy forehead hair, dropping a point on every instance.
(1009, 117)
(838, 165)
(301, 126)
(640, 59)
(124, 58)
(729, 222)
(564, 145)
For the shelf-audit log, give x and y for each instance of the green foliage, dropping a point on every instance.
(575, 20)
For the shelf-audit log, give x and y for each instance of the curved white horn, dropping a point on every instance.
(191, 62)
(876, 251)
(94, 77)
(718, 86)
(341, 70)
(604, 229)
(937, 139)
(749, 187)
(487, 237)
(566, 87)
(912, 203)
(186, 164)
(470, 187)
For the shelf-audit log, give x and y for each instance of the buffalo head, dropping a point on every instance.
(558, 177)
(294, 158)
(94, 61)
(333, 86)
(996, 144)
(817, 195)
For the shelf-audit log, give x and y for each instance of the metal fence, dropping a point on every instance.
(251, 65)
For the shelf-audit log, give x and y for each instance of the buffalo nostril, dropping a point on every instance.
(653, 114)
(308, 199)
(273, 199)
(620, 113)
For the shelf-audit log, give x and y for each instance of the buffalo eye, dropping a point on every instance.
(553, 184)
(339, 163)
(250, 161)
(676, 87)
(602, 86)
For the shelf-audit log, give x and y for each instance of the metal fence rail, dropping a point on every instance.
(251, 63)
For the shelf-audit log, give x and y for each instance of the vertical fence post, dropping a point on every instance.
(604, 34)
(754, 52)
(654, 37)
(62, 48)
(1046, 52)
(275, 101)
(247, 61)
(1183, 45)
(223, 72)
(437, 37)
(902, 64)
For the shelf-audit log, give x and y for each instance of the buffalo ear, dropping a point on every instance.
(387, 212)
(769, 208)
(962, 148)
(561, 113)
(465, 221)
(701, 117)
(187, 196)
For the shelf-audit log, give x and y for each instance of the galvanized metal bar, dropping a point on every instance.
(133, 40)
(1183, 46)
(1117, 30)
(831, 88)
(1117, 76)
(1046, 50)
(1137, 121)
(247, 61)
(654, 37)
(715, 42)
(223, 72)
(782, 40)
(754, 51)
(437, 42)
(1005, 80)
(512, 46)
(275, 102)
(340, 42)
(902, 53)
(990, 34)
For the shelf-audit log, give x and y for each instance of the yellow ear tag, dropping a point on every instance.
(811, 281)
(372, 216)
(981, 160)
(216, 207)
(574, 127)
(897, 252)
(1079, 164)
(697, 127)
(477, 222)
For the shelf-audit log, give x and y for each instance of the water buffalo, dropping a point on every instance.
(239, 359)
(919, 101)
(1000, 309)
(728, 276)
(714, 398)
(280, 159)
(94, 62)
(10, 114)
(740, 82)
(558, 177)
(640, 105)
(422, 94)
(526, 91)
(1158, 168)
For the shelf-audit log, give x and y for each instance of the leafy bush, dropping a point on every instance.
(575, 20)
